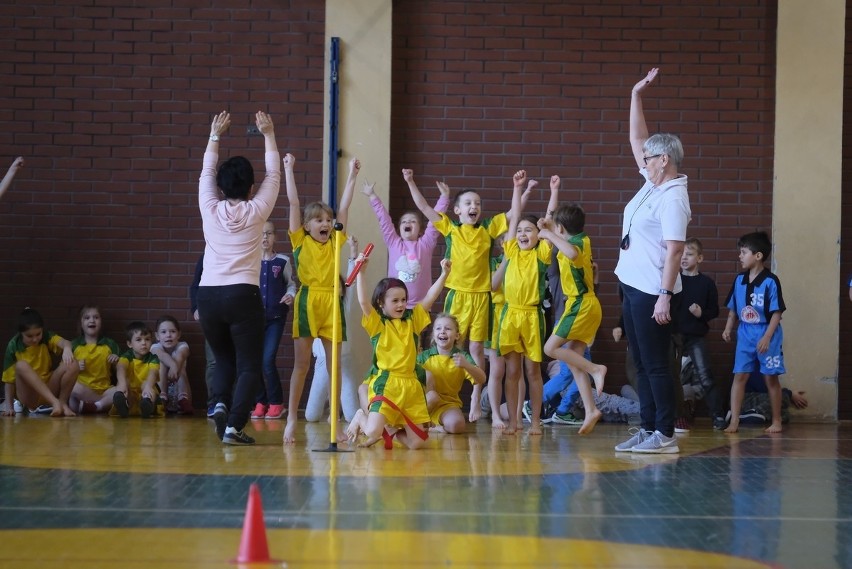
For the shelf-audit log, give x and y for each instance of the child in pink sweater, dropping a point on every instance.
(409, 252)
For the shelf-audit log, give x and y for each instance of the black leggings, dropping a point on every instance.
(232, 319)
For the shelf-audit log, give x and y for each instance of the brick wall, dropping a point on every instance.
(481, 89)
(111, 108)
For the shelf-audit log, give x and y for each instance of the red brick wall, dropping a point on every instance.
(111, 108)
(481, 89)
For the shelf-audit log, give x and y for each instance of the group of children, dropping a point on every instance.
(495, 300)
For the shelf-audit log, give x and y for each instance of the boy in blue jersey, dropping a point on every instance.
(756, 301)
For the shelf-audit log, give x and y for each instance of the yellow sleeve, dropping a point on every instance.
(443, 225)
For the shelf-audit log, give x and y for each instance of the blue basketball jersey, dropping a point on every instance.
(755, 302)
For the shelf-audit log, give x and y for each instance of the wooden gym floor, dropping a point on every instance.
(104, 492)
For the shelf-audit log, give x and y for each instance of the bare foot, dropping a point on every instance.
(475, 413)
(732, 428)
(369, 442)
(510, 429)
(535, 429)
(354, 428)
(598, 376)
(66, 410)
(773, 428)
(497, 423)
(290, 431)
(590, 421)
(437, 429)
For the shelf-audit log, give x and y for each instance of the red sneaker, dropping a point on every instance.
(681, 425)
(185, 406)
(259, 411)
(87, 408)
(275, 412)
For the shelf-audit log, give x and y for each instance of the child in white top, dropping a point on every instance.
(175, 392)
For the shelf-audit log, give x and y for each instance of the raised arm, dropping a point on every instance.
(519, 180)
(292, 193)
(348, 192)
(638, 128)
(435, 290)
(361, 287)
(218, 127)
(555, 185)
(267, 192)
(546, 230)
(418, 198)
(10, 175)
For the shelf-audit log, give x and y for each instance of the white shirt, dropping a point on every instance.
(654, 215)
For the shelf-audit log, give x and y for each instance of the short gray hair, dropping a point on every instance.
(667, 144)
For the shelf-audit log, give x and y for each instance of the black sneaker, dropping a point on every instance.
(235, 437)
(119, 401)
(146, 408)
(720, 423)
(220, 417)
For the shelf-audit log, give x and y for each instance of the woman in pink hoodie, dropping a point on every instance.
(229, 302)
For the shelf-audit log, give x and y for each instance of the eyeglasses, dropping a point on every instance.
(646, 158)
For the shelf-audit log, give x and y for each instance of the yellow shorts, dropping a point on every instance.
(406, 392)
(473, 311)
(496, 309)
(521, 330)
(581, 319)
(312, 315)
(445, 403)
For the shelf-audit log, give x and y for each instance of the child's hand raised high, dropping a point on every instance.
(520, 178)
(555, 183)
(289, 161)
(443, 188)
(368, 189)
(264, 123)
(408, 175)
(545, 223)
(354, 166)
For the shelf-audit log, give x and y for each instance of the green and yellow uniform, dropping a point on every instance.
(314, 263)
(137, 372)
(497, 302)
(97, 372)
(40, 356)
(582, 316)
(393, 375)
(469, 281)
(448, 379)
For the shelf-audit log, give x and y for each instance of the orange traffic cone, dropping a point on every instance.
(253, 545)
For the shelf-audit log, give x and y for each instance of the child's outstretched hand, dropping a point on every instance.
(443, 188)
(408, 175)
(545, 224)
(526, 195)
(289, 161)
(17, 164)
(520, 178)
(354, 166)
(555, 183)
(353, 246)
(264, 123)
(368, 189)
(799, 400)
(220, 124)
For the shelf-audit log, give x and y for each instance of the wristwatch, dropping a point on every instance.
(214, 137)
(665, 291)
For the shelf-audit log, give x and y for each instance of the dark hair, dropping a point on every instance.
(167, 318)
(571, 217)
(137, 326)
(531, 218)
(695, 243)
(382, 289)
(756, 242)
(235, 178)
(29, 319)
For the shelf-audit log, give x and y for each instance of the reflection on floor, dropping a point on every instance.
(102, 492)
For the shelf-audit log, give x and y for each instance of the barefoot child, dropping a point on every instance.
(447, 367)
(137, 372)
(409, 252)
(28, 370)
(175, 392)
(313, 252)
(756, 301)
(521, 325)
(96, 357)
(579, 323)
(397, 395)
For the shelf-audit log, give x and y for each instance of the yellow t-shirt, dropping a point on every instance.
(40, 356)
(525, 282)
(448, 376)
(97, 373)
(314, 261)
(576, 276)
(469, 249)
(138, 369)
(395, 341)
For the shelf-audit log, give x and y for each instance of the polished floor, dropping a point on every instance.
(104, 492)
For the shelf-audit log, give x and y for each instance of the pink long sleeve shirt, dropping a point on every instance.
(409, 261)
(233, 232)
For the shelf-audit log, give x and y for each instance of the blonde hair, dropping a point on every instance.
(315, 209)
(459, 341)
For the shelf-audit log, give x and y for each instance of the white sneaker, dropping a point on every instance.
(657, 443)
(19, 407)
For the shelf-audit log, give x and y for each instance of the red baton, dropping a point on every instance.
(351, 278)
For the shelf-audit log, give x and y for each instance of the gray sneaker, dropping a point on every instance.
(220, 417)
(566, 419)
(639, 435)
(657, 443)
(235, 437)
